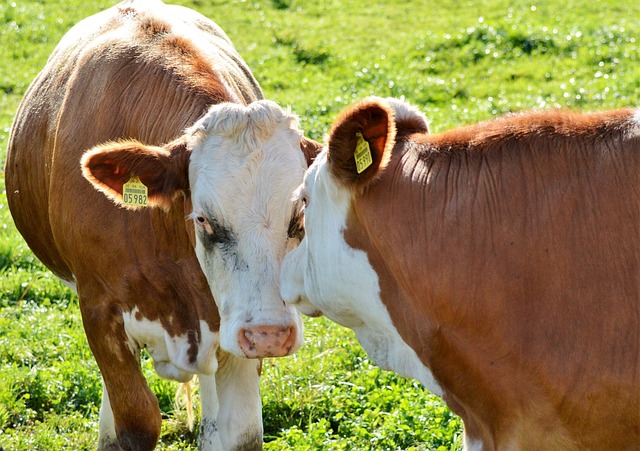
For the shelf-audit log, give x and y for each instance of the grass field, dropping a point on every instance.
(459, 61)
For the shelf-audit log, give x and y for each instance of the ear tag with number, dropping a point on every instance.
(362, 154)
(134, 192)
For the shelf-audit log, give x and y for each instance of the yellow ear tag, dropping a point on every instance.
(134, 192)
(362, 154)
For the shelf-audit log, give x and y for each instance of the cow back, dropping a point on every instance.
(522, 279)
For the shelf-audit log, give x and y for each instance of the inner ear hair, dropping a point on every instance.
(374, 119)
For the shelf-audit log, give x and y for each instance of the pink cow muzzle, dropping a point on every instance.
(268, 341)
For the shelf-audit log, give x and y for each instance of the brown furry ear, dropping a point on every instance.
(310, 149)
(163, 170)
(371, 123)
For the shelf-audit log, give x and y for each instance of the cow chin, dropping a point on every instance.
(304, 306)
(292, 282)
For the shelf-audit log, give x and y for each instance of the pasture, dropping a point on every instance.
(459, 61)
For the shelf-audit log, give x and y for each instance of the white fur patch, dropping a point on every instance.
(107, 438)
(70, 284)
(231, 407)
(340, 281)
(170, 353)
(245, 164)
(405, 111)
(471, 444)
(240, 415)
(209, 437)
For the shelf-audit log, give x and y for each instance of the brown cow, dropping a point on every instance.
(499, 264)
(143, 72)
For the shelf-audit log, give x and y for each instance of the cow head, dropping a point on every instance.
(324, 274)
(240, 166)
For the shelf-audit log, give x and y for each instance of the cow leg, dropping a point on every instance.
(209, 438)
(107, 439)
(135, 410)
(472, 440)
(240, 415)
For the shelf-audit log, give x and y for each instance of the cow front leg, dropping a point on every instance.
(209, 438)
(240, 414)
(134, 408)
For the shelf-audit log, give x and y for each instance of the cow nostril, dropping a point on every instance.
(245, 342)
(267, 341)
(291, 339)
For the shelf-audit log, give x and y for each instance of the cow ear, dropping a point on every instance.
(360, 142)
(310, 149)
(163, 170)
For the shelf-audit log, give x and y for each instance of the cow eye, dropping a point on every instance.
(304, 199)
(202, 222)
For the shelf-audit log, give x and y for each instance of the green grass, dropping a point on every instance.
(459, 61)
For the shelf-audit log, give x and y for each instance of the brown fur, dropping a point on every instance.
(513, 270)
(102, 84)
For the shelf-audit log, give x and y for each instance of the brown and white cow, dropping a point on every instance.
(135, 77)
(499, 264)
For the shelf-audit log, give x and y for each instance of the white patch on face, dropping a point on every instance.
(170, 353)
(340, 281)
(245, 164)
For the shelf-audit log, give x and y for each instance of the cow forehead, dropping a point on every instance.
(247, 125)
(224, 171)
(245, 163)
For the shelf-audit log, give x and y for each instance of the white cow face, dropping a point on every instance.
(241, 165)
(245, 164)
(324, 274)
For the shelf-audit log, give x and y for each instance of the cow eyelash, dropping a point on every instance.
(296, 226)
